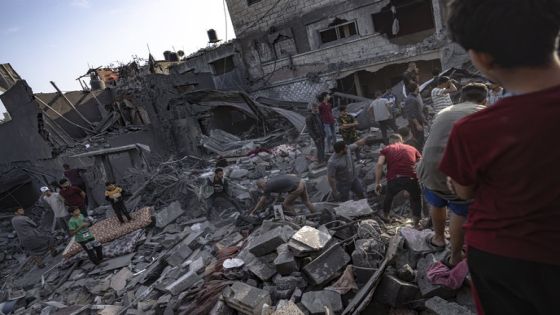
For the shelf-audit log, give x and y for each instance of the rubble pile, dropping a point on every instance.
(340, 260)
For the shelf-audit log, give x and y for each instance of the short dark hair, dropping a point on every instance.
(339, 146)
(322, 96)
(441, 80)
(109, 183)
(411, 87)
(219, 169)
(474, 92)
(342, 108)
(62, 181)
(404, 132)
(515, 33)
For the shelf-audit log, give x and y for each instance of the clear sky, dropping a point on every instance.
(55, 40)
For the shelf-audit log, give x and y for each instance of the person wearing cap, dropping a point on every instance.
(440, 94)
(55, 201)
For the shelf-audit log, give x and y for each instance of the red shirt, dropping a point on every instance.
(401, 160)
(72, 196)
(325, 112)
(510, 153)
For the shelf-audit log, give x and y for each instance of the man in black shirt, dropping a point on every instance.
(291, 184)
(317, 132)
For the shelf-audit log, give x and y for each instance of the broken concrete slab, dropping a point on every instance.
(285, 262)
(312, 238)
(245, 298)
(354, 209)
(238, 173)
(112, 264)
(269, 241)
(118, 281)
(301, 164)
(426, 287)
(168, 214)
(287, 308)
(325, 267)
(262, 267)
(316, 301)
(416, 240)
(181, 252)
(440, 306)
(185, 282)
(392, 291)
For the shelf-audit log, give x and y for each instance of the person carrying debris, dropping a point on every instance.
(434, 182)
(327, 117)
(290, 184)
(317, 132)
(73, 196)
(35, 242)
(220, 188)
(440, 94)
(78, 227)
(347, 127)
(401, 162)
(56, 203)
(115, 195)
(341, 171)
(506, 157)
(381, 112)
(414, 113)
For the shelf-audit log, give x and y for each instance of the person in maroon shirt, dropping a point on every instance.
(73, 196)
(327, 118)
(401, 162)
(506, 157)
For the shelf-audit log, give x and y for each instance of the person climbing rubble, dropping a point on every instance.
(115, 195)
(341, 171)
(327, 117)
(78, 226)
(290, 184)
(73, 196)
(505, 156)
(401, 162)
(35, 241)
(56, 203)
(220, 190)
(347, 128)
(316, 132)
(413, 112)
(434, 182)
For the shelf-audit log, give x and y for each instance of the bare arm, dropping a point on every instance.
(332, 183)
(417, 124)
(379, 172)
(463, 192)
(259, 205)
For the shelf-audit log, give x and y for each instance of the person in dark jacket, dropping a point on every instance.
(316, 131)
(220, 187)
(115, 195)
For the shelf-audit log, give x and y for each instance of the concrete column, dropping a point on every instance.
(438, 18)
(358, 84)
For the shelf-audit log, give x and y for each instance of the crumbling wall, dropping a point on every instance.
(21, 140)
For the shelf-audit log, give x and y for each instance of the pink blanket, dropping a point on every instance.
(439, 273)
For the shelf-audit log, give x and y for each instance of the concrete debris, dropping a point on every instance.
(395, 292)
(118, 281)
(312, 238)
(233, 263)
(183, 283)
(246, 299)
(285, 262)
(426, 287)
(440, 306)
(269, 241)
(354, 209)
(322, 302)
(168, 214)
(287, 308)
(326, 266)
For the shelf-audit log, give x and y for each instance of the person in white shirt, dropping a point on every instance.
(380, 110)
(440, 94)
(56, 203)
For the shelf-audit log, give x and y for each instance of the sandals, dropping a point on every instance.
(434, 247)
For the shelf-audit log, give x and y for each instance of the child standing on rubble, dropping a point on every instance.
(114, 194)
(78, 227)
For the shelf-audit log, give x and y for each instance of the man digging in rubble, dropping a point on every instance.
(290, 184)
(78, 227)
(401, 162)
(35, 242)
(316, 132)
(220, 188)
(506, 157)
(341, 171)
(434, 182)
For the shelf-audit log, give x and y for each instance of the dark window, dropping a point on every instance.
(339, 29)
(251, 2)
(414, 16)
(223, 65)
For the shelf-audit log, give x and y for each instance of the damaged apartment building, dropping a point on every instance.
(292, 50)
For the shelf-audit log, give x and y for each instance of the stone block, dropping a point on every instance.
(238, 173)
(416, 240)
(287, 308)
(180, 253)
(426, 287)
(316, 301)
(118, 281)
(353, 209)
(285, 262)
(394, 292)
(185, 282)
(326, 266)
(169, 214)
(245, 298)
(312, 238)
(269, 241)
(440, 306)
(261, 268)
